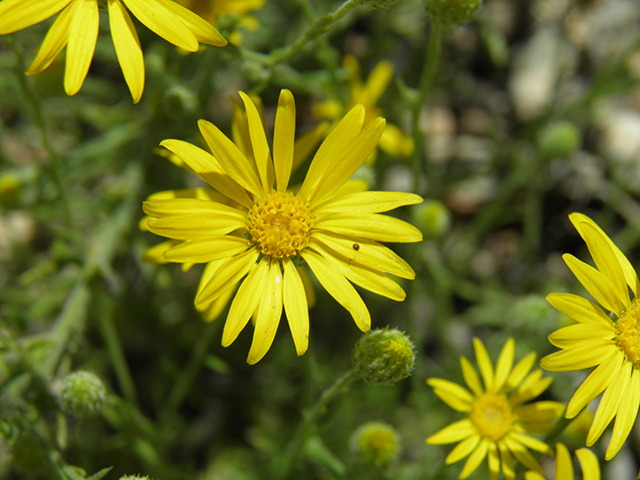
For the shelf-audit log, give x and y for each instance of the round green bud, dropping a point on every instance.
(10, 189)
(375, 444)
(432, 218)
(452, 12)
(559, 140)
(29, 454)
(82, 393)
(384, 356)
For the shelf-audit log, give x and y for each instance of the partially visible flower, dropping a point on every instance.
(609, 342)
(393, 140)
(77, 29)
(210, 10)
(261, 228)
(375, 444)
(498, 422)
(564, 465)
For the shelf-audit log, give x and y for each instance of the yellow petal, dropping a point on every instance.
(231, 159)
(578, 308)
(240, 129)
(520, 371)
(207, 249)
(216, 307)
(339, 288)
(625, 416)
(284, 133)
(609, 403)
(537, 413)
(295, 306)
(83, 34)
(585, 355)
(564, 465)
(245, 302)
(530, 388)
(208, 169)
(227, 276)
(455, 432)
(373, 226)
(182, 206)
(348, 160)
(471, 377)
(365, 252)
(55, 41)
(190, 226)
(337, 140)
(306, 143)
(629, 272)
(128, 50)
(261, 153)
(463, 449)
(269, 314)
(596, 283)
(454, 395)
(581, 332)
(156, 254)
(155, 15)
(203, 30)
(594, 384)
(475, 459)
(395, 142)
(507, 462)
(367, 202)
(589, 464)
(378, 81)
(503, 367)
(329, 109)
(521, 453)
(18, 14)
(484, 362)
(606, 261)
(494, 461)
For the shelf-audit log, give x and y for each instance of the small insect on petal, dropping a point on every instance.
(356, 247)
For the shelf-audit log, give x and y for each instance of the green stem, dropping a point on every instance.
(55, 170)
(287, 461)
(434, 50)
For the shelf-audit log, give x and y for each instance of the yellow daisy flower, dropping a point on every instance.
(77, 29)
(564, 466)
(393, 140)
(605, 336)
(262, 229)
(498, 424)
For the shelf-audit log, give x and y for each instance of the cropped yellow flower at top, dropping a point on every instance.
(498, 424)
(609, 343)
(260, 229)
(564, 465)
(77, 29)
(393, 140)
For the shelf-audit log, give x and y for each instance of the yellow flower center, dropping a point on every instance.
(491, 414)
(628, 334)
(279, 224)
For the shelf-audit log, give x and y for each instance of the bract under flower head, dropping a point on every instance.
(498, 422)
(251, 239)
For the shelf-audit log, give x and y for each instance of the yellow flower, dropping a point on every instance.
(613, 345)
(211, 9)
(564, 466)
(259, 231)
(498, 423)
(77, 29)
(393, 140)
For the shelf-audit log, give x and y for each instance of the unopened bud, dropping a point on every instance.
(559, 140)
(82, 393)
(375, 444)
(384, 356)
(432, 218)
(452, 12)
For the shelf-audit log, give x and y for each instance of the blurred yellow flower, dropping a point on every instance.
(393, 140)
(498, 423)
(261, 229)
(597, 340)
(77, 29)
(564, 465)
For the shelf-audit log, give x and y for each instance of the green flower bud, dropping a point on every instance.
(452, 12)
(375, 444)
(29, 454)
(384, 356)
(10, 189)
(432, 218)
(82, 393)
(559, 140)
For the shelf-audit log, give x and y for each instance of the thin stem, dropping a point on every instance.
(55, 170)
(434, 50)
(287, 461)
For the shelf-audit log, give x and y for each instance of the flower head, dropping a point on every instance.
(497, 423)
(77, 29)
(564, 466)
(253, 230)
(609, 342)
(375, 444)
(393, 140)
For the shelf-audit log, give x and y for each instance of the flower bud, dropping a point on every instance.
(384, 356)
(375, 444)
(559, 140)
(82, 393)
(452, 12)
(432, 218)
